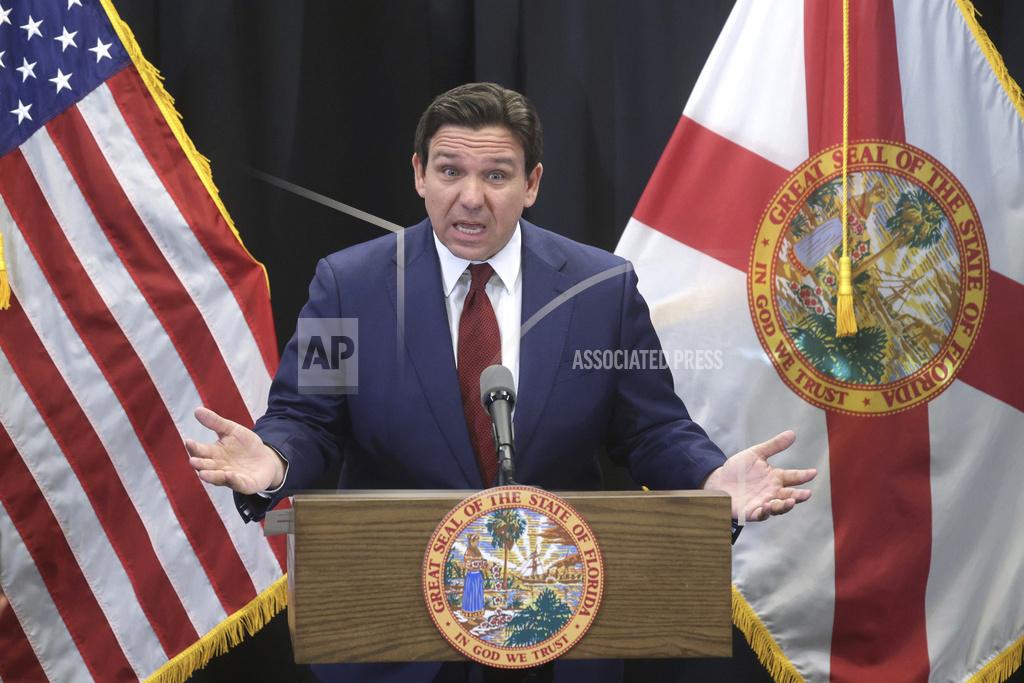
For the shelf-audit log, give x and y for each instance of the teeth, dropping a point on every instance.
(469, 229)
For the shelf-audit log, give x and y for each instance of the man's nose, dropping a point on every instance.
(471, 194)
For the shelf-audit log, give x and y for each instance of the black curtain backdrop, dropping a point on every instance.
(326, 95)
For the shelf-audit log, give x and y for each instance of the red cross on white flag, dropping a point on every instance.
(905, 566)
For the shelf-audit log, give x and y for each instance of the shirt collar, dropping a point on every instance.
(506, 263)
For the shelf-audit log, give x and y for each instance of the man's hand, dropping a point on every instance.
(238, 459)
(759, 490)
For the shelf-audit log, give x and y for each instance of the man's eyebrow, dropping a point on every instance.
(498, 161)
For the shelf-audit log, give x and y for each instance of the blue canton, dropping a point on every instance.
(52, 54)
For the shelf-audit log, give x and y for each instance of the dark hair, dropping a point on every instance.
(476, 105)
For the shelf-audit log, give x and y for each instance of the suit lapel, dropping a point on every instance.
(545, 324)
(428, 342)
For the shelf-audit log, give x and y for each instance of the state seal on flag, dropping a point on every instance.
(513, 577)
(920, 271)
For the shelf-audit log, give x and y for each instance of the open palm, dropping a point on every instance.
(238, 459)
(759, 490)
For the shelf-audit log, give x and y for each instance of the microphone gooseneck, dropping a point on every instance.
(498, 396)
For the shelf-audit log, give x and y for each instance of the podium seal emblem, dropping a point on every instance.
(513, 577)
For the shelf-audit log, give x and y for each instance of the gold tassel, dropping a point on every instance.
(761, 642)
(5, 283)
(225, 635)
(846, 320)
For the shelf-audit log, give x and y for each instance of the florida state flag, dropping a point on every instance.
(906, 565)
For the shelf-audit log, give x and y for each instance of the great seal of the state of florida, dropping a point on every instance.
(920, 272)
(513, 577)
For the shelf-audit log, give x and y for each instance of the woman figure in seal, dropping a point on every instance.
(473, 588)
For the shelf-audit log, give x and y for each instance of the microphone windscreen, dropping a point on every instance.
(496, 378)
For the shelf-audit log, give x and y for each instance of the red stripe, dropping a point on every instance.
(148, 267)
(880, 467)
(129, 380)
(84, 452)
(709, 193)
(44, 539)
(243, 275)
(882, 514)
(19, 661)
(996, 364)
(876, 99)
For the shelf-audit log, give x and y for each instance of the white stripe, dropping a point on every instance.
(700, 304)
(99, 562)
(956, 110)
(145, 333)
(106, 415)
(180, 247)
(38, 615)
(973, 605)
(752, 89)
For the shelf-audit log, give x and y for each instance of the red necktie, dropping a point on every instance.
(479, 348)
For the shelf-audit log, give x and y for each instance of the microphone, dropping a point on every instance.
(498, 396)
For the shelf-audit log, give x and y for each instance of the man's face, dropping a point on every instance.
(475, 187)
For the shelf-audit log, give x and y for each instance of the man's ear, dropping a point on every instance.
(418, 175)
(533, 185)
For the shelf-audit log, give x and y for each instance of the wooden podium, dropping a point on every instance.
(355, 563)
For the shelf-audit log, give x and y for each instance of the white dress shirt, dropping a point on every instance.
(505, 290)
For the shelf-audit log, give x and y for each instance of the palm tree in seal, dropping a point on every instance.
(538, 622)
(506, 528)
(917, 222)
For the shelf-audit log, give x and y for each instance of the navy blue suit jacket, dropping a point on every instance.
(404, 428)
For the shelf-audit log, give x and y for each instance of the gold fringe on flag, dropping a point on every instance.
(271, 601)
(225, 635)
(761, 642)
(1006, 663)
(995, 60)
(1003, 666)
(846, 321)
(154, 83)
(5, 283)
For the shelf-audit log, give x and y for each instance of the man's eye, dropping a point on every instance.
(496, 176)
(449, 172)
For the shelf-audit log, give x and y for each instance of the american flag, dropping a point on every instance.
(132, 303)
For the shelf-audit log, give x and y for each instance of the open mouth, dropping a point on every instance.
(469, 228)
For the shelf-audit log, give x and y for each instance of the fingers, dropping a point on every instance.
(213, 421)
(776, 444)
(232, 480)
(799, 495)
(215, 477)
(797, 477)
(780, 507)
(200, 464)
(775, 506)
(787, 500)
(200, 450)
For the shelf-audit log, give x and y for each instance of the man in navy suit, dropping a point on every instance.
(539, 301)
